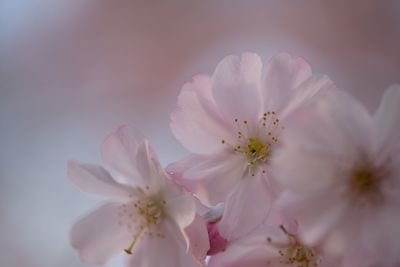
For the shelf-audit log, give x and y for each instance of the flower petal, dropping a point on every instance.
(169, 250)
(250, 250)
(210, 178)
(305, 93)
(120, 148)
(98, 236)
(196, 122)
(336, 127)
(93, 179)
(387, 122)
(283, 73)
(236, 86)
(198, 238)
(150, 172)
(182, 210)
(246, 207)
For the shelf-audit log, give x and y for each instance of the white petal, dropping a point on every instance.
(336, 128)
(211, 178)
(250, 250)
(283, 73)
(197, 122)
(149, 168)
(93, 179)
(246, 207)
(387, 123)
(198, 238)
(182, 210)
(98, 236)
(167, 251)
(120, 148)
(236, 86)
(305, 93)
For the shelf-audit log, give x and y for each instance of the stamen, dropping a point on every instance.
(142, 213)
(128, 250)
(297, 254)
(256, 142)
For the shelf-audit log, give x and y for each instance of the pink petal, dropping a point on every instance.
(335, 128)
(198, 238)
(250, 250)
(150, 172)
(387, 123)
(166, 251)
(182, 210)
(306, 92)
(380, 236)
(98, 236)
(120, 148)
(283, 73)
(246, 207)
(196, 123)
(93, 179)
(211, 177)
(217, 242)
(236, 86)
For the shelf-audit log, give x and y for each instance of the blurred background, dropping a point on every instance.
(73, 71)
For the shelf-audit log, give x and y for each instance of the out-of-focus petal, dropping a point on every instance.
(307, 91)
(250, 250)
(336, 127)
(317, 213)
(93, 179)
(120, 148)
(196, 122)
(236, 86)
(387, 123)
(283, 73)
(246, 207)
(98, 236)
(169, 250)
(210, 178)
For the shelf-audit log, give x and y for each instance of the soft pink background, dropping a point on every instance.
(72, 71)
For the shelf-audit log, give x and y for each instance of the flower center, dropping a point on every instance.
(141, 216)
(295, 253)
(255, 140)
(255, 151)
(363, 180)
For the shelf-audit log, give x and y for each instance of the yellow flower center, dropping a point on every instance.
(140, 217)
(295, 253)
(255, 151)
(255, 140)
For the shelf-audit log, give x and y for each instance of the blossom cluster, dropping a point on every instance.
(284, 169)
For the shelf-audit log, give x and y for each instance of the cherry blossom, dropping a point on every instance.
(272, 246)
(232, 122)
(340, 167)
(148, 216)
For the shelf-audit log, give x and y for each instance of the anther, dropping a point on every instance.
(128, 250)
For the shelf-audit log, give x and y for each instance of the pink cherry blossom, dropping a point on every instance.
(148, 216)
(232, 122)
(271, 246)
(340, 167)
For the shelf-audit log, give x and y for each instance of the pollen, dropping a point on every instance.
(255, 140)
(295, 253)
(141, 217)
